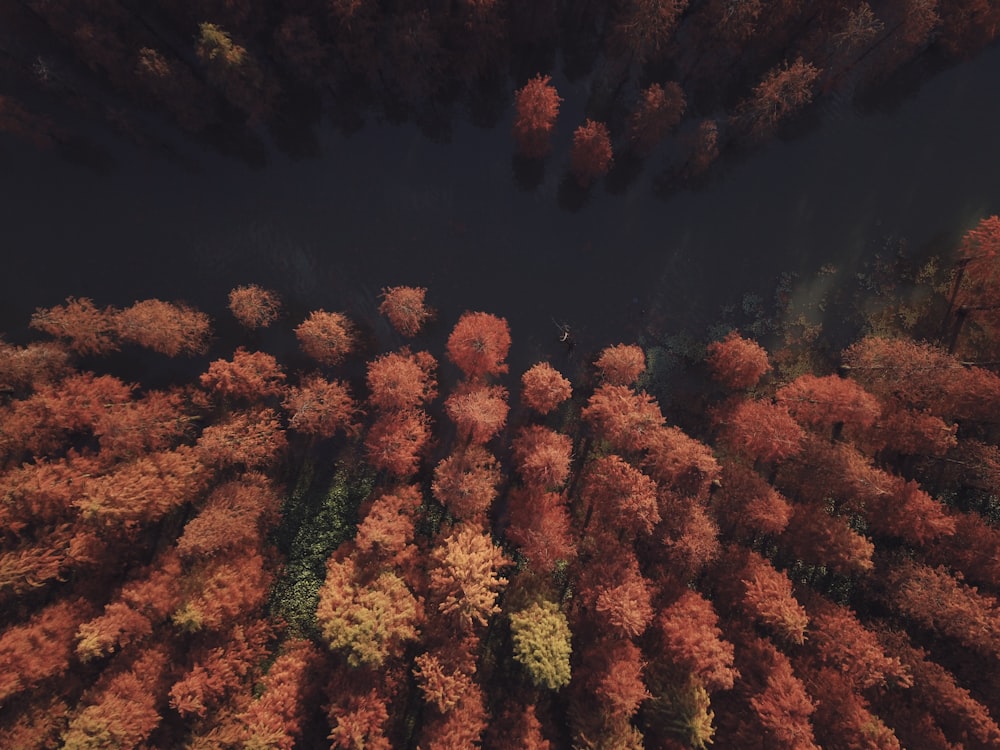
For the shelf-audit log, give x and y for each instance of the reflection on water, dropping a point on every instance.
(387, 206)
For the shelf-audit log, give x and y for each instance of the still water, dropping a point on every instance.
(387, 206)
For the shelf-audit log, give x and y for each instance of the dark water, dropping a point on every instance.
(387, 206)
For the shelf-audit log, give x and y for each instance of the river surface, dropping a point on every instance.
(387, 206)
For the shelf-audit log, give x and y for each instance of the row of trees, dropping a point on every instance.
(811, 563)
(746, 66)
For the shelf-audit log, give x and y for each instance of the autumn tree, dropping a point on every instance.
(236, 514)
(643, 28)
(590, 156)
(275, 719)
(780, 706)
(536, 107)
(815, 536)
(542, 456)
(702, 147)
(220, 668)
(478, 411)
(86, 328)
(690, 637)
(761, 431)
(748, 504)
(543, 388)
(540, 527)
(620, 496)
(466, 483)
(168, 328)
(321, 407)
(254, 439)
(401, 380)
(231, 68)
(937, 601)
(621, 364)
(680, 463)
(369, 620)
(625, 418)
(623, 599)
(40, 648)
(478, 344)
(465, 580)
(541, 638)
(405, 308)
(768, 599)
(658, 111)
(388, 526)
(782, 91)
(398, 440)
(253, 306)
(829, 402)
(249, 376)
(327, 337)
(737, 362)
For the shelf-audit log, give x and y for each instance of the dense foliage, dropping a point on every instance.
(266, 557)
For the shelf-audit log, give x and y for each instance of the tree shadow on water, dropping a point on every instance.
(571, 196)
(528, 173)
(625, 171)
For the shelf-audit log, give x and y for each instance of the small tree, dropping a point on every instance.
(542, 645)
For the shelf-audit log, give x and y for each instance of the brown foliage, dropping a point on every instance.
(625, 602)
(401, 380)
(828, 401)
(86, 329)
(250, 376)
(816, 537)
(397, 441)
(543, 388)
(235, 515)
(542, 456)
(327, 337)
(478, 344)
(220, 670)
(540, 527)
(466, 483)
(737, 362)
(405, 308)
(625, 418)
(220, 591)
(690, 637)
(147, 488)
(643, 28)
(781, 706)
(254, 439)
(841, 642)
(165, 327)
(275, 719)
(361, 723)
(388, 526)
(253, 306)
(622, 497)
(23, 367)
(478, 411)
(680, 463)
(935, 691)
(782, 91)
(936, 600)
(761, 431)
(321, 407)
(747, 503)
(465, 581)
(590, 156)
(621, 364)
(659, 110)
(41, 648)
(768, 598)
(536, 105)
